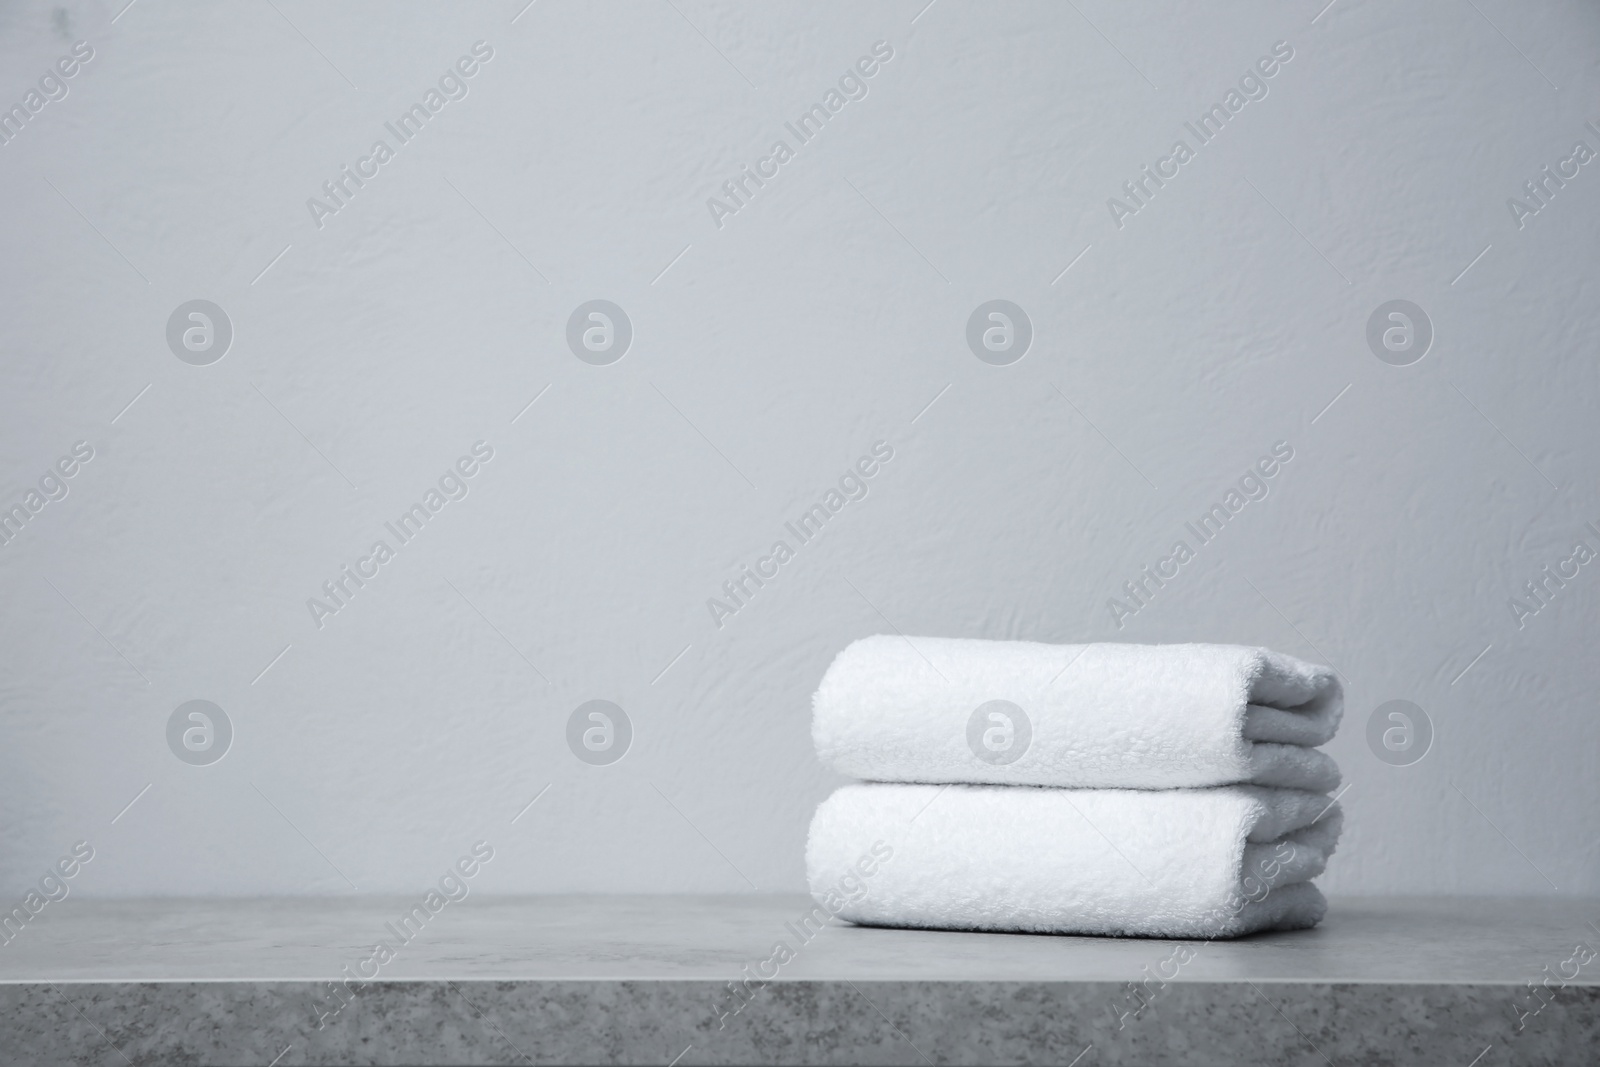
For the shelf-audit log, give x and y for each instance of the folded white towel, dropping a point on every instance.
(1195, 863)
(902, 709)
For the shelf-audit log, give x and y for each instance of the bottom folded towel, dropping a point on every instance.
(1192, 863)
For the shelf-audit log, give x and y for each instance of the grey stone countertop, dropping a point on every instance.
(615, 979)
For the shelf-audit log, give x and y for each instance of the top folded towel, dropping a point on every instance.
(932, 709)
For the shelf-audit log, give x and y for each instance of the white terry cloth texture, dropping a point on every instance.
(897, 709)
(1191, 863)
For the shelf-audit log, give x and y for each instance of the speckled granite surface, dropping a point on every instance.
(646, 980)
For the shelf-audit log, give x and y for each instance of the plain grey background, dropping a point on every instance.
(768, 354)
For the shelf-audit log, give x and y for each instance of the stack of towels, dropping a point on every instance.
(1147, 790)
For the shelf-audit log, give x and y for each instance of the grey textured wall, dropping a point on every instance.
(1177, 337)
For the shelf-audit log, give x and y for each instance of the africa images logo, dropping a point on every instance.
(1254, 485)
(852, 85)
(339, 190)
(52, 89)
(853, 486)
(1252, 86)
(453, 484)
